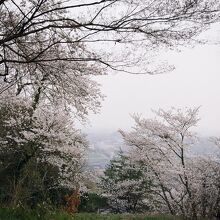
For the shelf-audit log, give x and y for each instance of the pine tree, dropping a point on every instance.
(125, 184)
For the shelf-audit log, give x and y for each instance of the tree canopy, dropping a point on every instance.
(182, 180)
(125, 185)
(49, 49)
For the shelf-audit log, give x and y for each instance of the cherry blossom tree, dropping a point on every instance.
(216, 141)
(181, 181)
(163, 144)
(205, 175)
(40, 150)
(49, 49)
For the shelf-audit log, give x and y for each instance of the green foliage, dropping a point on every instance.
(34, 169)
(121, 168)
(26, 178)
(92, 202)
(125, 185)
(26, 214)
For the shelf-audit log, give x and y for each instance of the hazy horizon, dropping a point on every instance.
(194, 82)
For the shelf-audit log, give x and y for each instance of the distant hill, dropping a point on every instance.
(103, 146)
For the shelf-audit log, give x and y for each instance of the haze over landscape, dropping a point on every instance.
(194, 82)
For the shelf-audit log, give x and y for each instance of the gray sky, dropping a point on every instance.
(194, 82)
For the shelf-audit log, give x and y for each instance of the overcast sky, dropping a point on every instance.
(194, 82)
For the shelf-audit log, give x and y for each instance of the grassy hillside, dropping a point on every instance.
(8, 214)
